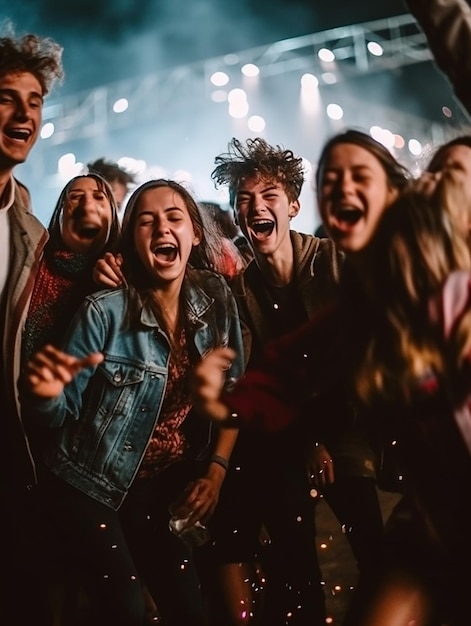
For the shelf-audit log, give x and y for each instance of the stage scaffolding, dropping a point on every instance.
(87, 113)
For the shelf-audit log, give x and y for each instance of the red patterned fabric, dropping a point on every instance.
(64, 280)
(168, 443)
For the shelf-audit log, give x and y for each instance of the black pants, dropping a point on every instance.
(25, 559)
(112, 553)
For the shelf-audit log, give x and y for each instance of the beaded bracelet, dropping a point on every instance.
(220, 460)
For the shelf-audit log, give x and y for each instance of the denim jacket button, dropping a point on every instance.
(117, 377)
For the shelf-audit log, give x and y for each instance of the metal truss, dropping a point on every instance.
(87, 114)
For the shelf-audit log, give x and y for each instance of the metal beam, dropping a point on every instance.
(87, 114)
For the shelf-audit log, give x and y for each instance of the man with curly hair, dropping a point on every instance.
(29, 66)
(267, 488)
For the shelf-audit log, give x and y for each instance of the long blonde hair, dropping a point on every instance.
(419, 242)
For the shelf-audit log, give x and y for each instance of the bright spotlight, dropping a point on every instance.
(309, 94)
(120, 105)
(67, 166)
(415, 147)
(326, 55)
(334, 111)
(375, 48)
(219, 79)
(136, 166)
(236, 95)
(238, 108)
(249, 69)
(47, 130)
(399, 142)
(383, 135)
(256, 123)
(309, 81)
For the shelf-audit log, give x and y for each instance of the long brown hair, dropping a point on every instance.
(204, 256)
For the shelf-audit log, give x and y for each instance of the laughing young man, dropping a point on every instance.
(292, 276)
(29, 66)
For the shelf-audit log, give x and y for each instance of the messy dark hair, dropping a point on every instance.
(111, 171)
(256, 158)
(40, 56)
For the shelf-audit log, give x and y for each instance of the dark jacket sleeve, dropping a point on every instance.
(290, 373)
(447, 26)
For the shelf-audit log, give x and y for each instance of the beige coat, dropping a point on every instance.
(27, 240)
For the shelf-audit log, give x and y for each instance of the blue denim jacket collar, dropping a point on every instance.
(198, 302)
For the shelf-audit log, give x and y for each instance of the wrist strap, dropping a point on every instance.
(220, 460)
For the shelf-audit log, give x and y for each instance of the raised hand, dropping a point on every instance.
(107, 271)
(209, 378)
(50, 370)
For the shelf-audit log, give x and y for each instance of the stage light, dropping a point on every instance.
(415, 147)
(219, 79)
(326, 55)
(237, 95)
(375, 48)
(135, 166)
(238, 109)
(238, 105)
(67, 166)
(309, 81)
(47, 130)
(334, 111)
(383, 135)
(120, 105)
(256, 123)
(399, 142)
(310, 95)
(249, 69)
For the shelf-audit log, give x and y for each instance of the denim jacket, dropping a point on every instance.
(106, 416)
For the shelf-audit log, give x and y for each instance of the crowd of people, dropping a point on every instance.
(162, 364)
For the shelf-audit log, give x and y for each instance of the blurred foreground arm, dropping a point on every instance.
(447, 26)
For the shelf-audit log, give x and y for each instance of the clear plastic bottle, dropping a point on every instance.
(194, 535)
